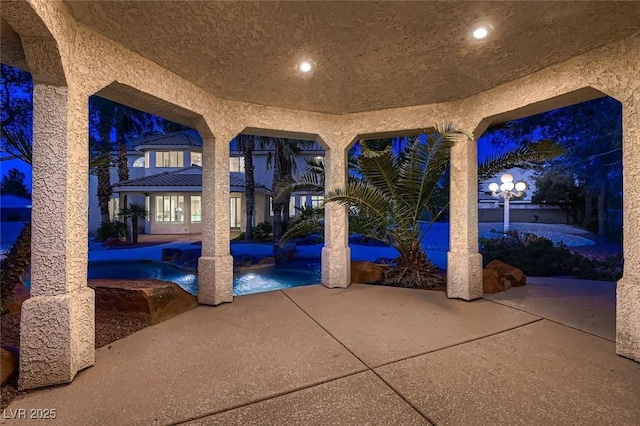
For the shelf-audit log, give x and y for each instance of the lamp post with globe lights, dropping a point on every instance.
(506, 191)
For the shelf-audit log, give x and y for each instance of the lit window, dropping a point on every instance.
(146, 160)
(319, 159)
(236, 164)
(170, 209)
(317, 200)
(292, 206)
(196, 159)
(235, 212)
(140, 162)
(196, 208)
(114, 208)
(169, 159)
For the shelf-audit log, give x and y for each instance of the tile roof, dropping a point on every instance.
(188, 177)
(183, 138)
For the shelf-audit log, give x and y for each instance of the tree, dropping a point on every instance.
(282, 160)
(101, 153)
(591, 134)
(122, 122)
(392, 195)
(134, 212)
(247, 144)
(16, 92)
(13, 183)
(557, 186)
(390, 191)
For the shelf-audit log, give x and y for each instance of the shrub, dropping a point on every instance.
(16, 264)
(110, 230)
(262, 231)
(538, 256)
(533, 255)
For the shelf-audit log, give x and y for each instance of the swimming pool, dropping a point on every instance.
(294, 273)
(136, 270)
(291, 274)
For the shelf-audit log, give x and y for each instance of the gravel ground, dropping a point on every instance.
(110, 326)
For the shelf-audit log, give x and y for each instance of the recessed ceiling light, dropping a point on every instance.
(305, 66)
(481, 31)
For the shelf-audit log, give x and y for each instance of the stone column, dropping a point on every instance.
(336, 255)
(57, 333)
(628, 290)
(215, 267)
(464, 263)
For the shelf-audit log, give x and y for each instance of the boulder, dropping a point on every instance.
(171, 254)
(491, 281)
(284, 252)
(151, 301)
(190, 255)
(263, 263)
(15, 306)
(242, 261)
(366, 272)
(498, 276)
(112, 242)
(9, 362)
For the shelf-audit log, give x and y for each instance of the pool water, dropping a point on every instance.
(285, 275)
(291, 274)
(141, 270)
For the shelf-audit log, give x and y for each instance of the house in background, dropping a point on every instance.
(166, 177)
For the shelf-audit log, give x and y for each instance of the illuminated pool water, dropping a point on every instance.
(286, 275)
(291, 274)
(136, 270)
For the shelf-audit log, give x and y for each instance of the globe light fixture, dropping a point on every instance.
(506, 191)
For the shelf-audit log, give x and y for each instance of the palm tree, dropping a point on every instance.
(395, 188)
(124, 122)
(102, 169)
(247, 144)
(134, 212)
(282, 159)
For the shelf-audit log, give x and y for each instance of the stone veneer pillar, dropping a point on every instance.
(464, 263)
(628, 289)
(336, 255)
(57, 333)
(215, 267)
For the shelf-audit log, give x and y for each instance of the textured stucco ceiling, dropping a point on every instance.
(11, 52)
(369, 55)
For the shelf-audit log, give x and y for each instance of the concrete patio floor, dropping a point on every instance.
(362, 355)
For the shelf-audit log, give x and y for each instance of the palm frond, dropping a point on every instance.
(380, 167)
(366, 198)
(525, 156)
(303, 227)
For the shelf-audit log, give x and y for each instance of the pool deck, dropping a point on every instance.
(543, 354)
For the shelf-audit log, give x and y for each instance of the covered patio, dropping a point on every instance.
(379, 69)
(365, 355)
